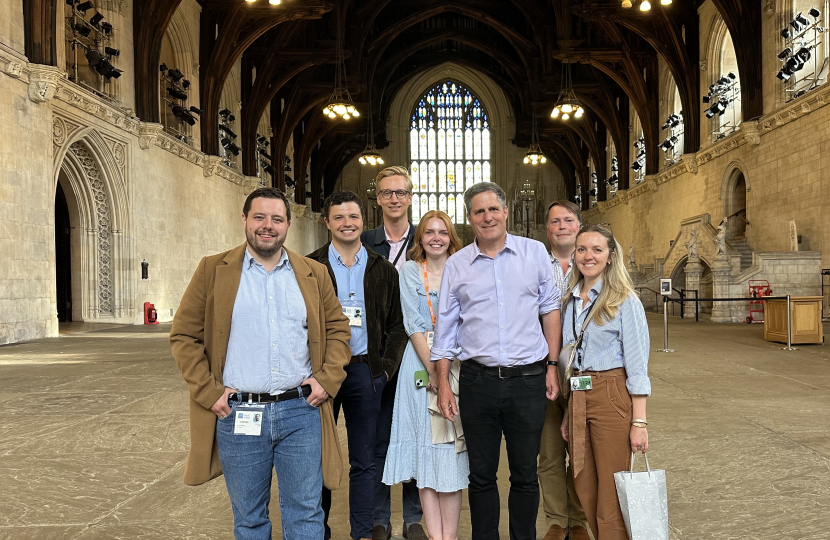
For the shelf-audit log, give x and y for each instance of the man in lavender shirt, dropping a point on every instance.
(492, 295)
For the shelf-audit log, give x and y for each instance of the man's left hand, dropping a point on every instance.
(318, 395)
(552, 383)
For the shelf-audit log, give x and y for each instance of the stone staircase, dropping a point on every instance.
(738, 243)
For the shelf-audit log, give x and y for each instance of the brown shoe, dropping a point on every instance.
(379, 532)
(414, 532)
(579, 533)
(556, 533)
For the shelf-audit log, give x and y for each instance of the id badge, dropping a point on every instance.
(355, 315)
(581, 383)
(248, 420)
(430, 338)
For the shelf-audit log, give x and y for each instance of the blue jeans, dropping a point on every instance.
(411, 500)
(359, 396)
(291, 442)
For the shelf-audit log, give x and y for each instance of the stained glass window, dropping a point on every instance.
(449, 148)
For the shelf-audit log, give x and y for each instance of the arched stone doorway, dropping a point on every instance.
(705, 288)
(736, 209)
(90, 194)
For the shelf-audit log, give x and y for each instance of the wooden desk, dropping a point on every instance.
(806, 320)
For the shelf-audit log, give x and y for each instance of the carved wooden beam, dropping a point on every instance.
(150, 20)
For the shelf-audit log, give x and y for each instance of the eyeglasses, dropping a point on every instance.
(387, 193)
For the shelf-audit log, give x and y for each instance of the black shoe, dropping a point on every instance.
(414, 532)
(379, 532)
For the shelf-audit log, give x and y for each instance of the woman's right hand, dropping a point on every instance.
(565, 424)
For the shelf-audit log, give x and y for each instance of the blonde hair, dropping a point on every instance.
(394, 170)
(417, 252)
(616, 283)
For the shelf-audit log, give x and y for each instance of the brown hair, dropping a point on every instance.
(266, 193)
(394, 170)
(416, 252)
(570, 206)
(342, 197)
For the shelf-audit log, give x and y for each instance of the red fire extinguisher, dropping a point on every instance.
(150, 314)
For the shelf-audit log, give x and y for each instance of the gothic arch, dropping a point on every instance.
(502, 118)
(94, 167)
(734, 188)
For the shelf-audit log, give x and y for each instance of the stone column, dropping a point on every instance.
(693, 272)
(721, 272)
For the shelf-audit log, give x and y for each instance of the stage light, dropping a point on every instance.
(106, 28)
(196, 110)
(592, 192)
(176, 93)
(228, 145)
(814, 13)
(783, 55)
(84, 7)
(268, 168)
(184, 115)
(97, 18)
(612, 180)
(784, 74)
(228, 131)
(804, 55)
(93, 57)
(224, 113)
(112, 52)
(801, 20)
(163, 68)
(263, 153)
(261, 139)
(82, 29)
(786, 34)
(636, 166)
(175, 75)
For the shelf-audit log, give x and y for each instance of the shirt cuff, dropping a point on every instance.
(437, 354)
(638, 385)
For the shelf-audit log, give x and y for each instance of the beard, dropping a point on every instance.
(262, 249)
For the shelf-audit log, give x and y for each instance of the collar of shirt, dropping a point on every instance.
(592, 294)
(361, 255)
(392, 242)
(249, 261)
(554, 260)
(509, 244)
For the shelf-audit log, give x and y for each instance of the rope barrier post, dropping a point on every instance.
(789, 346)
(665, 348)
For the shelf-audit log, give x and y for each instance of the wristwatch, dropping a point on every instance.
(553, 363)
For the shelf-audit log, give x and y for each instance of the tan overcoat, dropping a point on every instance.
(199, 340)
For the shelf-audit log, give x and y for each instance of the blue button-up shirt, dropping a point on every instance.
(489, 307)
(350, 293)
(621, 342)
(268, 344)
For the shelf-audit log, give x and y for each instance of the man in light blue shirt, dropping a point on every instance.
(368, 290)
(492, 295)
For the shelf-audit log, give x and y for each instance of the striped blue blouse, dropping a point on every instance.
(622, 342)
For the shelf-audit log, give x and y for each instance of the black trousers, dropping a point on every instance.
(491, 408)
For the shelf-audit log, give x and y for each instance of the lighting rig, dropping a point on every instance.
(289, 182)
(578, 196)
(592, 193)
(90, 36)
(174, 89)
(613, 180)
(264, 159)
(231, 149)
(639, 164)
(801, 38)
(674, 128)
(722, 96)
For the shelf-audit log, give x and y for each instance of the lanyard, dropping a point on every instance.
(584, 327)
(406, 244)
(429, 300)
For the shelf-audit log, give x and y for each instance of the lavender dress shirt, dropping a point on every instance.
(489, 307)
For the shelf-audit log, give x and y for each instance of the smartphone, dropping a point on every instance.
(421, 378)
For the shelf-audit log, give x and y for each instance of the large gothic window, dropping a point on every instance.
(449, 142)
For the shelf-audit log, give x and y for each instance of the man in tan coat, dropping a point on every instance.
(262, 342)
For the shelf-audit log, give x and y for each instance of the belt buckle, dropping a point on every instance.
(500, 375)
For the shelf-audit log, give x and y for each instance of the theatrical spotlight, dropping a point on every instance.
(814, 13)
(195, 110)
(799, 22)
(267, 168)
(614, 164)
(612, 180)
(175, 75)
(636, 166)
(577, 197)
(184, 115)
(185, 84)
(97, 18)
(227, 131)
(229, 145)
(163, 68)
(176, 93)
(783, 55)
(669, 143)
(82, 29)
(263, 153)
(262, 140)
(112, 52)
(224, 113)
(93, 57)
(289, 182)
(592, 192)
(106, 28)
(84, 7)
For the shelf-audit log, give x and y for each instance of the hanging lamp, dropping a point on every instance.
(340, 103)
(370, 155)
(567, 104)
(534, 155)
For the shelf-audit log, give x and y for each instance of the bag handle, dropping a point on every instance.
(631, 468)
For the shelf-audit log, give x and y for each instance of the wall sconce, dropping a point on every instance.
(145, 270)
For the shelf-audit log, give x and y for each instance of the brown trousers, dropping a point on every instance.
(559, 499)
(607, 449)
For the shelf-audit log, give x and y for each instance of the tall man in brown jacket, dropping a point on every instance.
(262, 343)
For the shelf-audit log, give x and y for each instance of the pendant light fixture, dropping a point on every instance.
(567, 104)
(534, 155)
(340, 103)
(370, 155)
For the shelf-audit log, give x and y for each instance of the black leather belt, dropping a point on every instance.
(536, 368)
(360, 359)
(269, 398)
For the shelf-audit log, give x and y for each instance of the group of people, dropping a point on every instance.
(434, 353)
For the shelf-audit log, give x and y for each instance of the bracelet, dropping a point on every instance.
(638, 425)
(553, 363)
(639, 420)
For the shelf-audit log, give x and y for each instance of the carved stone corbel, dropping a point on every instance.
(691, 162)
(751, 132)
(211, 165)
(43, 82)
(148, 132)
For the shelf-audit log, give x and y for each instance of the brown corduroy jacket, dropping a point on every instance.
(199, 341)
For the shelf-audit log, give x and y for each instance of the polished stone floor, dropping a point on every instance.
(94, 434)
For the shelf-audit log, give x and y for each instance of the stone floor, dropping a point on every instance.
(94, 437)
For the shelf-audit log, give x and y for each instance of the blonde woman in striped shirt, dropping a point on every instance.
(606, 420)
